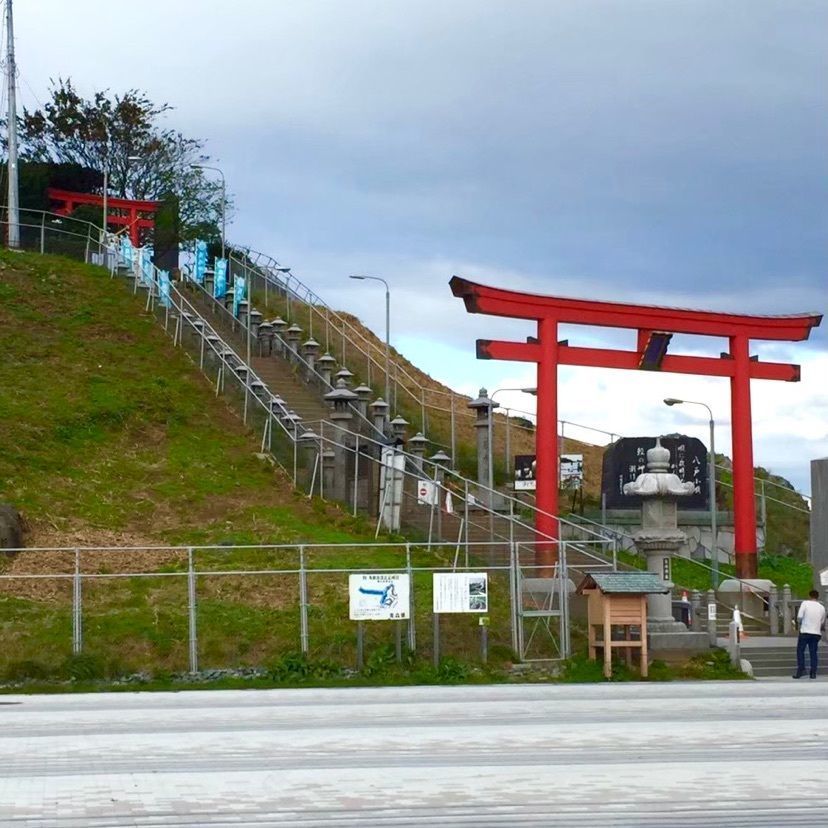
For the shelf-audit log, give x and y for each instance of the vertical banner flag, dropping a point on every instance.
(126, 251)
(219, 278)
(238, 293)
(164, 288)
(146, 264)
(200, 266)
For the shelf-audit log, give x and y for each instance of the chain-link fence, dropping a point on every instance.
(217, 607)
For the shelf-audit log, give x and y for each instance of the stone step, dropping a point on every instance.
(276, 373)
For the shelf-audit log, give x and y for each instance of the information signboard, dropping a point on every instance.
(379, 597)
(572, 471)
(460, 592)
(525, 473)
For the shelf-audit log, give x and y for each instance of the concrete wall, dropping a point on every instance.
(695, 524)
(819, 519)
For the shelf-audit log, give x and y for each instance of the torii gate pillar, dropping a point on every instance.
(654, 327)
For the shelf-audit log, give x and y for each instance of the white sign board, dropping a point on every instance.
(380, 597)
(461, 592)
(711, 612)
(427, 493)
(823, 577)
(572, 471)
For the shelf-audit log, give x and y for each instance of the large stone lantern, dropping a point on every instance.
(659, 539)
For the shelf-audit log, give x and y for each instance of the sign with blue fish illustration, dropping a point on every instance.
(379, 597)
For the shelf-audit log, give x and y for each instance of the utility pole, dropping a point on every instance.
(11, 72)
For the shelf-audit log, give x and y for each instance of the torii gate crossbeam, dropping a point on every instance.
(650, 322)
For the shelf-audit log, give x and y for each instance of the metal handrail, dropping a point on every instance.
(224, 350)
(297, 356)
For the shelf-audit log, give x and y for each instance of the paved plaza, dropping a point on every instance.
(683, 754)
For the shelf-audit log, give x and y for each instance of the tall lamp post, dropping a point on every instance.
(711, 485)
(105, 195)
(387, 330)
(223, 200)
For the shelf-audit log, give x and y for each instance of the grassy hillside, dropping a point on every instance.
(111, 437)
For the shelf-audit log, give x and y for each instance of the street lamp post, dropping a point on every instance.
(105, 193)
(223, 200)
(711, 485)
(387, 331)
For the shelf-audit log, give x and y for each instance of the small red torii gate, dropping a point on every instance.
(134, 214)
(655, 326)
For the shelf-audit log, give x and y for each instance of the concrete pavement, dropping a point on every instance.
(687, 754)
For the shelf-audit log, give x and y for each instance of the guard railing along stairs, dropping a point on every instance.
(225, 337)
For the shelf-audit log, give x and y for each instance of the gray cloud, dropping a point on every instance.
(622, 149)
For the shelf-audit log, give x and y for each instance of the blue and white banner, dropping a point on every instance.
(238, 293)
(126, 251)
(219, 278)
(200, 266)
(164, 288)
(146, 264)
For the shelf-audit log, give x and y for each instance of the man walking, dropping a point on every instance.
(811, 622)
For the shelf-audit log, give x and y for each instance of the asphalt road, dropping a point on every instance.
(713, 754)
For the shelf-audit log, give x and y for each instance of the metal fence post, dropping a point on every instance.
(303, 603)
(191, 612)
(513, 595)
(356, 473)
(412, 624)
(77, 612)
(564, 579)
(43, 234)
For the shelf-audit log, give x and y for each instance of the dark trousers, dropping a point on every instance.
(811, 641)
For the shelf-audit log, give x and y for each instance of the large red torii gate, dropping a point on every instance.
(655, 326)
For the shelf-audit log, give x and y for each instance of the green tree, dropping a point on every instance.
(112, 131)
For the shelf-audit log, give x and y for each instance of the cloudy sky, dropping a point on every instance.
(669, 151)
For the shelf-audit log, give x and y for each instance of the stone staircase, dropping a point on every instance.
(275, 372)
(287, 379)
(777, 656)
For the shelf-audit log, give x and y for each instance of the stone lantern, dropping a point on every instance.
(310, 351)
(417, 446)
(482, 408)
(659, 539)
(279, 326)
(292, 421)
(341, 399)
(363, 393)
(255, 322)
(265, 337)
(344, 374)
(398, 426)
(325, 365)
(293, 334)
(379, 413)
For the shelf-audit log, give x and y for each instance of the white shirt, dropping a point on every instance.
(811, 617)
